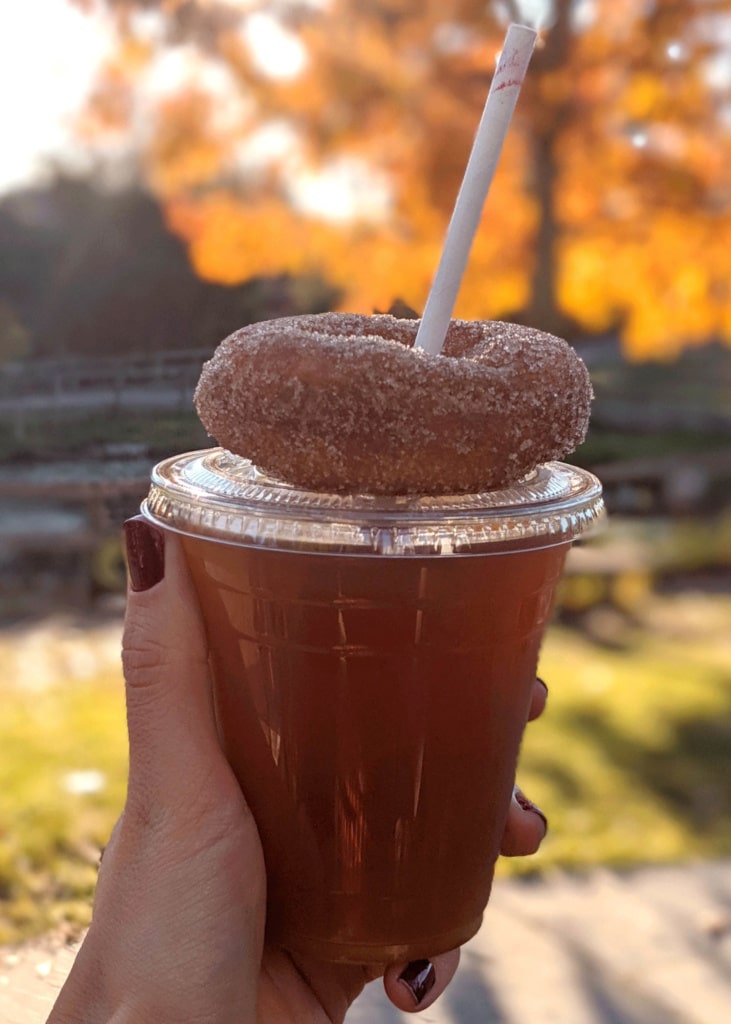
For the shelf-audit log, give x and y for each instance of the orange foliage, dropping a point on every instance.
(614, 185)
(186, 150)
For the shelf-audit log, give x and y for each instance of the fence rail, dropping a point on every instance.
(62, 378)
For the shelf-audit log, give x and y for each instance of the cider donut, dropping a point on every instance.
(345, 403)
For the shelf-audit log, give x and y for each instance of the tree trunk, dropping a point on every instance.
(543, 310)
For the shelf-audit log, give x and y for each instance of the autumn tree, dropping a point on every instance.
(329, 138)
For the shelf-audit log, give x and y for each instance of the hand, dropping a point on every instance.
(178, 927)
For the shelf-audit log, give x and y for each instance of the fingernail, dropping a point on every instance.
(418, 977)
(539, 680)
(528, 805)
(145, 553)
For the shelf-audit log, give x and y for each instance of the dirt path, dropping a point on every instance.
(60, 650)
(646, 947)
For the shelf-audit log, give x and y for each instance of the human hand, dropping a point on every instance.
(178, 927)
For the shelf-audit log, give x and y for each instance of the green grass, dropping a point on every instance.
(50, 838)
(631, 763)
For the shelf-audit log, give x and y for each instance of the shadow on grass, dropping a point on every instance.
(566, 780)
(690, 774)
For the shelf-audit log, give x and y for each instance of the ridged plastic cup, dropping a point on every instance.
(374, 660)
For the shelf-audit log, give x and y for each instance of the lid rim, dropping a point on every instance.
(195, 494)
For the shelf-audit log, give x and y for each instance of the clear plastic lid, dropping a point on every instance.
(220, 496)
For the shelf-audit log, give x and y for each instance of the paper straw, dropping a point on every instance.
(499, 107)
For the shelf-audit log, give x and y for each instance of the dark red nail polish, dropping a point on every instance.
(528, 805)
(145, 553)
(418, 977)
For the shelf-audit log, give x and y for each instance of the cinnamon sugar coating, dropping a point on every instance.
(342, 402)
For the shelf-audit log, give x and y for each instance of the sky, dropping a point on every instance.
(44, 76)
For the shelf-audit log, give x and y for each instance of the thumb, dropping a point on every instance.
(173, 742)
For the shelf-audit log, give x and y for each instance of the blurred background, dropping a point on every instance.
(175, 169)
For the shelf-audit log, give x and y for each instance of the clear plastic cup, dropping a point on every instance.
(374, 660)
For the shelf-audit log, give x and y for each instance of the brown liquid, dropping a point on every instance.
(372, 709)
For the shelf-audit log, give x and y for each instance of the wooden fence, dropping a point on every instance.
(46, 383)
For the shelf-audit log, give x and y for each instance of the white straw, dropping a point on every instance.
(501, 100)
